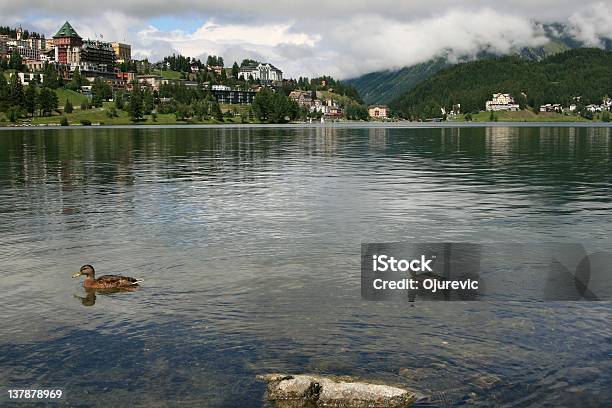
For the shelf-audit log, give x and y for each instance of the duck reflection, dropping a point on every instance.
(91, 294)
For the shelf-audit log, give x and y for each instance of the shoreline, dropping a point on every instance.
(337, 125)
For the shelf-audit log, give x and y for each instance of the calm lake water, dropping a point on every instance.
(249, 243)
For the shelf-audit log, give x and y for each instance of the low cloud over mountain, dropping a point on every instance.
(342, 38)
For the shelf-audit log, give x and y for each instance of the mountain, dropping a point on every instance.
(559, 78)
(384, 86)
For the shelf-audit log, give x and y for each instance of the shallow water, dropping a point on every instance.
(249, 244)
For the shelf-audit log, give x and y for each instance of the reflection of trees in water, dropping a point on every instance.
(106, 161)
(562, 160)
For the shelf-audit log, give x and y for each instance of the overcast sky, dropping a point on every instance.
(311, 37)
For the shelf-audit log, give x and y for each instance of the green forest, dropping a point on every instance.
(584, 73)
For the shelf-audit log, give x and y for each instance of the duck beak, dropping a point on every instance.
(76, 275)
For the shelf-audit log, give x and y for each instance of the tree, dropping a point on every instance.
(15, 92)
(100, 91)
(235, 70)
(355, 111)
(182, 111)
(274, 107)
(50, 77)
(262, 104)
(148, 102)
(215, 110)
(119, 101)
(47, 101)
(68, 108)
(15, 61)
(13, 114)
(30, 100)
(112, 112)
(135, 108)
(77, 80)
(3, 93)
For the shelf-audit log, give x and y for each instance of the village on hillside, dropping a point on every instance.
(100, 72)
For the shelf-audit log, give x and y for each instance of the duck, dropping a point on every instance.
(106, 281)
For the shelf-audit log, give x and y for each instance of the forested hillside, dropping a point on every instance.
(384, 86)
(585, 72)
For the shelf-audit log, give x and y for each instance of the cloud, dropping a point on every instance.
(590, 25)
(314, 37)
(391, 44)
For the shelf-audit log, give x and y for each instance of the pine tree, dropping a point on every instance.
(136, 104)
(3, 93)
(47, 101)
(68, 108)
(30, 100)
(15, 92)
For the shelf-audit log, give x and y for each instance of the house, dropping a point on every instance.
(264, 72)
(379, 111)
(302, 98)
(551, 107)
(501, 102)
(151, 81)
(215, 68)
(593, 108)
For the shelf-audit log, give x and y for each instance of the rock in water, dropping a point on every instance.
(317, 391)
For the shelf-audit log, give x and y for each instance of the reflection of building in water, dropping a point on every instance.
(450, 139)
(317, 140)
(378, 138)
(575, 140)
(326, 140)
(499, 140)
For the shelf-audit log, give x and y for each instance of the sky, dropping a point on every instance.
(313, 37)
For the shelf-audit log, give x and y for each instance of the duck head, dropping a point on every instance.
(86, 270)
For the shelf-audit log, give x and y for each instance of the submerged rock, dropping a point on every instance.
(487, 381)
(317, 391)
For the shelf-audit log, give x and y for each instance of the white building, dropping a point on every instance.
(24, 49)
(220, 88)
(551, 107)
(264, 72)
(501, 102)
(593, 108)
(26, 77)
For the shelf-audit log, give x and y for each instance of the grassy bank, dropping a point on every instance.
(66, 94)
(524, 116)
(100, 116)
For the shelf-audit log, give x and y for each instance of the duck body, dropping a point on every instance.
(111, 281)
(106, 281)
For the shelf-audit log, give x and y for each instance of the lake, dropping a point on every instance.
(249, 243)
